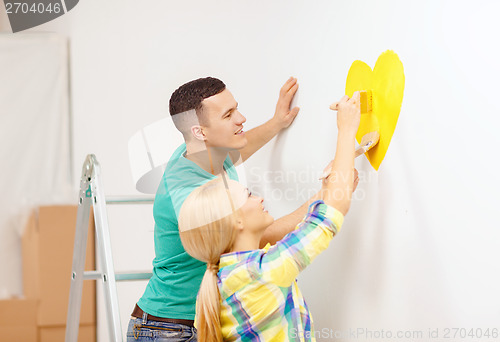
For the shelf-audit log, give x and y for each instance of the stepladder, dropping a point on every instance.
(91, 195)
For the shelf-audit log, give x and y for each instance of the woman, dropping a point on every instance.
(249, 293)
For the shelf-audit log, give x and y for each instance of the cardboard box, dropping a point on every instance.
(22, 333)
(47, 248)
(86, 333)
(18, 320)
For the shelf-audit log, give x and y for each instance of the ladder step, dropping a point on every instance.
(133, 276)
(129, 200)
(92, 275)
(95, 275)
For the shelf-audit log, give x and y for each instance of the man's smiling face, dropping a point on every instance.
(222, 122)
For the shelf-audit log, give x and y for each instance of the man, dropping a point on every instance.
(207, 115)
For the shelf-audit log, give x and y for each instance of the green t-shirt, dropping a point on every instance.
(172, 290)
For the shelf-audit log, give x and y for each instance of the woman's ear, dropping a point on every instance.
(239, 224)
(197, 132)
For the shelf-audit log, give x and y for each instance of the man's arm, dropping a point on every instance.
(283, 117)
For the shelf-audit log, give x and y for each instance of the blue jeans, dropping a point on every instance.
(144, 330)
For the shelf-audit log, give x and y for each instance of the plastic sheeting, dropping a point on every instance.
(34, 129)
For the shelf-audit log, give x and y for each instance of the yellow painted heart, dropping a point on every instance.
(387, 82)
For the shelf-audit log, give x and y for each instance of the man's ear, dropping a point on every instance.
(197, 132)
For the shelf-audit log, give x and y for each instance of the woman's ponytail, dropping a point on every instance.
(208, 307)
(207, 222)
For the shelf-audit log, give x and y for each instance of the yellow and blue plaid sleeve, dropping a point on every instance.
(288, 257)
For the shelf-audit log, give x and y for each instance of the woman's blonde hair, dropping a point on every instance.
(206, 225)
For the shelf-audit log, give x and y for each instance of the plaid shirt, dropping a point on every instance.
(260, 298)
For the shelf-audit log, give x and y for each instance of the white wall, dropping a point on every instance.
(4, 24)
(419, 249)
(35, 131)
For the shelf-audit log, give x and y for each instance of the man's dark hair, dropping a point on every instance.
(190, 95)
